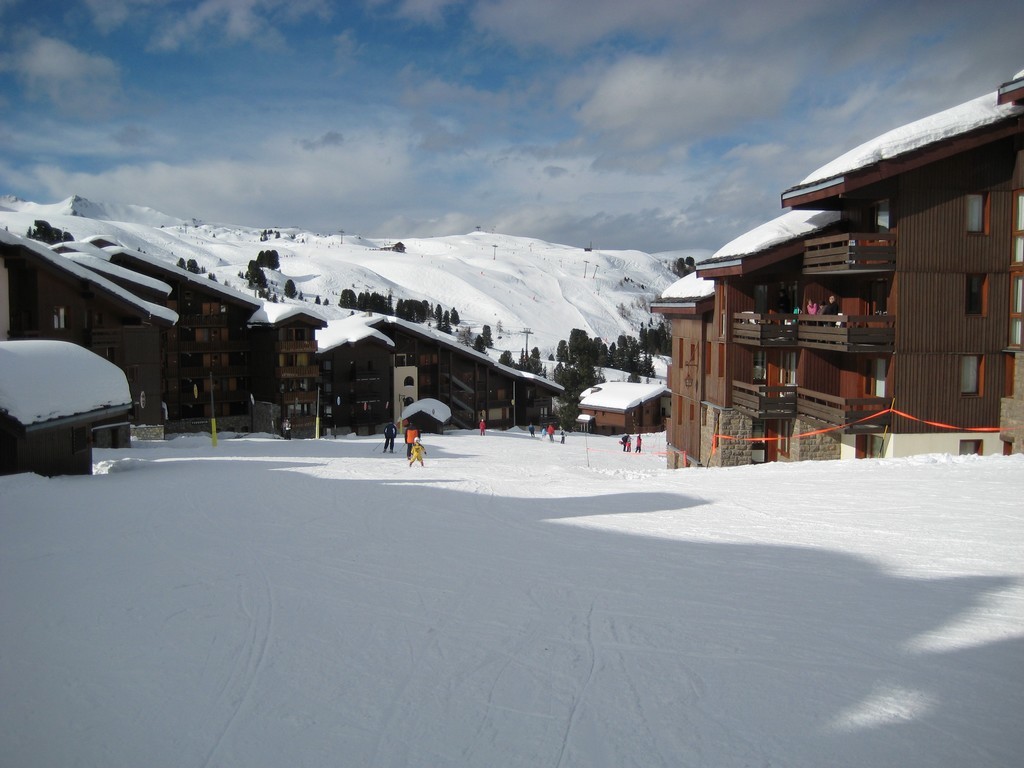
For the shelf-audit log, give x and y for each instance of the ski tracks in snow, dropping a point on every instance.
(256, 603)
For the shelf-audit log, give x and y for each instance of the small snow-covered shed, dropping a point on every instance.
(427, 415)
(622, 406)
(53, 394)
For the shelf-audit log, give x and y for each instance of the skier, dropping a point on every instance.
(533, 430)
(483, 427)
(625, 443)
(563, 437)
(551, 432)
(411, 436)
(390, 432)
(417, 453)
(639, 442)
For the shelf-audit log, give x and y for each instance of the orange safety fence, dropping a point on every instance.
(717, 436)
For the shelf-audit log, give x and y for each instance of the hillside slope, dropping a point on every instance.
(508, 282)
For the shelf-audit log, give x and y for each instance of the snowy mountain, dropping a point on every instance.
(510, 283)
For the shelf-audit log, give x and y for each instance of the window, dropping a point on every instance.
(977, 214)
(1018, 228)
(1017, 270)
(1016, 307)
(970, 374)
(785, 433)
(881, 216)
(60, 317)
(970, 447)
(760, 374)
(976, 294)
(875, 380)
(787, 374)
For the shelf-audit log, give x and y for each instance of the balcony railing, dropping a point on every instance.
(764, 330)
(297, 372)
(850, 252)
(295, 346)
(761, 401)
(848, 333)
(844, 333)
(857, 414)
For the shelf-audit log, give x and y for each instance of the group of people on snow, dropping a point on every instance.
(627, 443)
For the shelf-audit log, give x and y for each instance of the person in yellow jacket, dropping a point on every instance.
(417, 453)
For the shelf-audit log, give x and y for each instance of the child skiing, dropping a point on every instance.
(417, 453)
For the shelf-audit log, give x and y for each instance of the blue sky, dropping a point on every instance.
(653, 124)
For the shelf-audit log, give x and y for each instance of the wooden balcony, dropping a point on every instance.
(847, 333)
(772, 330)
(854, 415)
(850, 252)
(294, 346)
(297, 372)
(192, 347)
(760, 401)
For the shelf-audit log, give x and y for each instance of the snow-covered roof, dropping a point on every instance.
(44, 380)
(200, 281)
(792, 225)
(690, 287)
(146, 308)
(272, 313)
(434, 408)
(350, 330)
(620, 395)
(104, 267)
(963, 118)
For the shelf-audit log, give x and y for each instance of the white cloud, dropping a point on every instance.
(68, 77)
(643, 102)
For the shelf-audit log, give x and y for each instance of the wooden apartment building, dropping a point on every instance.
(920, 237)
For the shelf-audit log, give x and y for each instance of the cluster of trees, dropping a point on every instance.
(44, 233)
(445, 320)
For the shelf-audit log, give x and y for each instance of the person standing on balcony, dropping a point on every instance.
(812, 307)
(831, 308)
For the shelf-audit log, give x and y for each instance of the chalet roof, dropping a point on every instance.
(620, 395)
(351, 330)
(975, 115)
(35, 250)
(44, 381)
(689, 288)
(1012, 90)
(275, 313)
(790, 226)
(347, 331)
(114, 272)
(126, 256)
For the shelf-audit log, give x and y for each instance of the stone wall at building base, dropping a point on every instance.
(1011, 412)
(733, 451)
(808, 444)
(147, 431)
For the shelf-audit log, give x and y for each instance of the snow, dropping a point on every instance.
(690, 287)
(510, 283)
(620, 395)
(43, 380)
(792, 225)
(963, 118)
(515, 602)
(72, 266)
(435, 408)
(272, 313)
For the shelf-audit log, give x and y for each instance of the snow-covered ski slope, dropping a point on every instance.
(515, 283)
(514, 602)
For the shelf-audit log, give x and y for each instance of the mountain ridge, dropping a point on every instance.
(525, 289)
